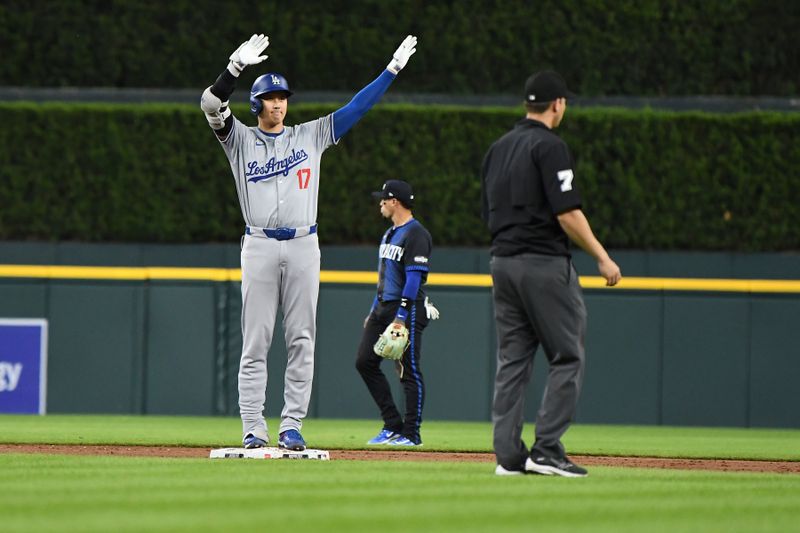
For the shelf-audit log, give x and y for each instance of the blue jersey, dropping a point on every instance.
(405, 248)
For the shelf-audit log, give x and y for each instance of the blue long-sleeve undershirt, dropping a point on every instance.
(345, 117)
(410, 290)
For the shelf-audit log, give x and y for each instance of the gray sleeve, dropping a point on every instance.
(321, 132)
(233, 142)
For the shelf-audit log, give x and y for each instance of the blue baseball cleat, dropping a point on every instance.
(291, 439)
(403, 441)
(251, 441)
(384, 437)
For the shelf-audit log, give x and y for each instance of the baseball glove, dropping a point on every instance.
(393, 341)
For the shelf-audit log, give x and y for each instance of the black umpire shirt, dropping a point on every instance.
(527, 180)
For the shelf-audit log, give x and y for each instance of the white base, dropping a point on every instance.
(268, 453)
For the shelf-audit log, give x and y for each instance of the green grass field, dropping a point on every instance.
(88, 493)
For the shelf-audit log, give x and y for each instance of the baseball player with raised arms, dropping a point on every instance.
(276, 169)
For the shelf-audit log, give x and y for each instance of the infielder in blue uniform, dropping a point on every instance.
(403, 263)
(276, 169)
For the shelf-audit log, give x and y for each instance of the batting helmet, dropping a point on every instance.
(268, 83)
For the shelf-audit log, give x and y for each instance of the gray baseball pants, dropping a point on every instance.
(274, 273)
(537, 300)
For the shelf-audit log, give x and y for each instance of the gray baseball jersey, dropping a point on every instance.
(277, 176)
(277, 181)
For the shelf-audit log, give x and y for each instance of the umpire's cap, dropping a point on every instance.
(268, 83)
(546, 86)
(396, 189)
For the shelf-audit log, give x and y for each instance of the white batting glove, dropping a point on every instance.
(430, 310)
(401, 55)
(248, 53)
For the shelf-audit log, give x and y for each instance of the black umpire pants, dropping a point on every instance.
(537, 301)
(408, 368)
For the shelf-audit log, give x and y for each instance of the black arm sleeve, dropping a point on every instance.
(223, 89)
(224, 86)
(223, 132)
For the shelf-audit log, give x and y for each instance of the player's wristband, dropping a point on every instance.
(402, 311)
(235, 68)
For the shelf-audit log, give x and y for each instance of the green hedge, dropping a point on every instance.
(651, 180)
(603, 47)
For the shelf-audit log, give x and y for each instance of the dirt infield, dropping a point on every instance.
(726, 465)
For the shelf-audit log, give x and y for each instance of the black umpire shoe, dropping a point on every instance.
(559, 466)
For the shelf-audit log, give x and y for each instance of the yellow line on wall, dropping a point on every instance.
(118, 273)
(348, 276)
(371, 278)
(696, 284)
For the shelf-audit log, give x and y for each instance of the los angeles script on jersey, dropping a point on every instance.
(274, 167)
(391, 252)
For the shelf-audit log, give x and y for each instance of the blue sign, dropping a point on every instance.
(23, 366)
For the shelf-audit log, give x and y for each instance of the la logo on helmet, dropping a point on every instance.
(275, 80)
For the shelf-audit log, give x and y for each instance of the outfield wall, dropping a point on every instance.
(662, 351)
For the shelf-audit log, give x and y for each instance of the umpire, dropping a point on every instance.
(532, 206)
